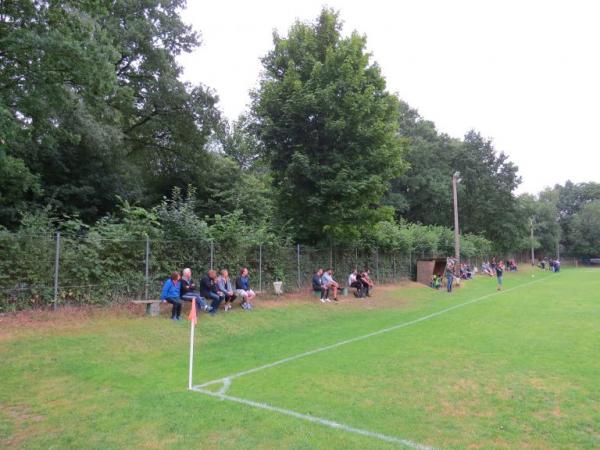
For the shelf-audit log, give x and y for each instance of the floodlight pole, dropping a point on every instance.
(455, 180)
(532, 252)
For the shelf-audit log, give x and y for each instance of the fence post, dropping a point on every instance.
(212, 251)
(377, 264)
(394, 268)
(356, 257)
(298, 262)
(260, 268)
(146, 277)
(331, 256)
(56, 269)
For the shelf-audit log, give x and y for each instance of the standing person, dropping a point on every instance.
(208, 289)
(242, 286)
(318, 286)
(171, 293)
(224, 285)
(499, 274)
(188, 290)
(449, 274)
(330, 283)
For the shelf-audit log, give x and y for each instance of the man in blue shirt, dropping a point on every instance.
(171, 293)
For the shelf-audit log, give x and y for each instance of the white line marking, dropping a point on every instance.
(229, 378)
(317, 420)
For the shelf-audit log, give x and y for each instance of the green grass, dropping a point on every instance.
(520, 369)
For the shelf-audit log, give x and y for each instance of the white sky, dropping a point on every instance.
(524, 73)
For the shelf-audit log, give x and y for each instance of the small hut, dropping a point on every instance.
(427, 267)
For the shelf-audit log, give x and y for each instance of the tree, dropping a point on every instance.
(93, 89)
(585, 230)
(329, 130)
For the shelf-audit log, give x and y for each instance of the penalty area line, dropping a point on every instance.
(314, 419)
(226, 381)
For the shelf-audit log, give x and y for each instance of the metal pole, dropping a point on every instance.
(377, 264)
(456, 228)
(532, 252)
(212, 251)
(56, 269)
(298, 262)
(260, 268)
(147, 266)
(330, 257)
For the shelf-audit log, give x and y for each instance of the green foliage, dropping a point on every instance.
(585, 230)
(328, 127)
(427, 240)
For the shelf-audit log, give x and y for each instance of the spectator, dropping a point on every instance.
(556, 266)
(366, 282)
(171, 293)
(224, 285)
(499, 274)
(189, 293)
(318, 286)
(242, 286)
(330, 283)
(449, 274)
(209, 290)
(354, 282)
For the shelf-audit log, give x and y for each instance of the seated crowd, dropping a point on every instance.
(217, 289)
(324, 284)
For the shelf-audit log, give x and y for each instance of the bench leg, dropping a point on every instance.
(153, 309)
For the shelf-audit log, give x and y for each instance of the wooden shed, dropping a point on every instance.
(427, 267)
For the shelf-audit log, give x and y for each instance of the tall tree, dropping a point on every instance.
(329, 129)
(93, 88)
(585, 231)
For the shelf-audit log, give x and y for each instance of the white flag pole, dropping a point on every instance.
(191, 353)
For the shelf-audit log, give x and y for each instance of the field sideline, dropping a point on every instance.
(411, 366)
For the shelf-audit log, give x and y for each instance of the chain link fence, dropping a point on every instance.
(48, 271)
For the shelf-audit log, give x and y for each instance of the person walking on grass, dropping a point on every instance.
(171, 293)
(499, 274)
(449, 274)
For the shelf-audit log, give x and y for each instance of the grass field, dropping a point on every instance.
(517, 369)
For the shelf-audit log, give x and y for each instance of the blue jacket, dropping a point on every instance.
(171, 289)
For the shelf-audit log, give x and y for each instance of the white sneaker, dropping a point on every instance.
(322, 300)
(328, 300)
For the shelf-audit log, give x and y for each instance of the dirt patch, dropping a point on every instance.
(37, 321)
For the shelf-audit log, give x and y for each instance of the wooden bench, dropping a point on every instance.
(152, 306)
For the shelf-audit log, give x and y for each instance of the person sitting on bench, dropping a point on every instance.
(354, 282)
(208, 289)
(171, 293)
(242, 288)
(330, 283)
(224, 285)
(366, 282)
(188, 291)
(319, 286)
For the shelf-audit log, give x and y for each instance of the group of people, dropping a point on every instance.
(324, 284)
(553, 265)
(213, 287)
(466, 272)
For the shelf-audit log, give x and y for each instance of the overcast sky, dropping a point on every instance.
(524, 73)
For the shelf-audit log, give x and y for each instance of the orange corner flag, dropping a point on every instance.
(193, 316)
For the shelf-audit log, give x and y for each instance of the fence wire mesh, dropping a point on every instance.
(41, 271)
